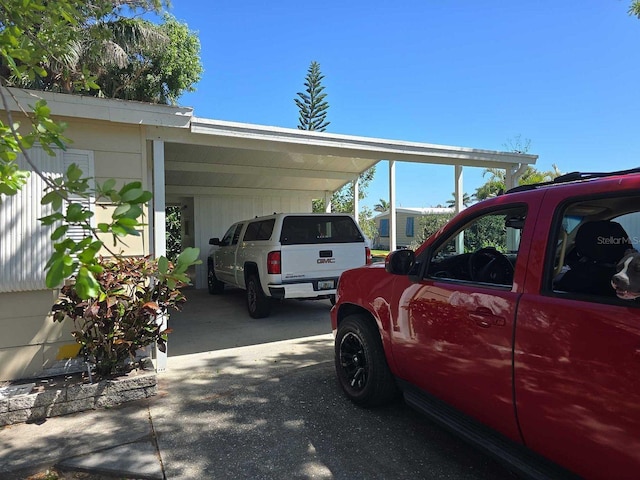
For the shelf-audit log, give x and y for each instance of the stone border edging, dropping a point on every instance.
(76, 398)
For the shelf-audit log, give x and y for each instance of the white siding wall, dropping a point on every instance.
(215, 214)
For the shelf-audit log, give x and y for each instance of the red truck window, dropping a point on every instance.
(484, 250)
(591, 236)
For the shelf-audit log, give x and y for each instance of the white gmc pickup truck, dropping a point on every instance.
(286, 255)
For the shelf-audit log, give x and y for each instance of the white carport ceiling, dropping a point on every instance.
(216, 157)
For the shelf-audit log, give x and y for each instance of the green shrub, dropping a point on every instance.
(126, 316)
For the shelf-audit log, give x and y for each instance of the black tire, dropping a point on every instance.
(258, 303)
(332, 299)
(215, 286)
(361, 365)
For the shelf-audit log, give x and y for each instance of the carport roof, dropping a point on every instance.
(204, 156)
(217, 156)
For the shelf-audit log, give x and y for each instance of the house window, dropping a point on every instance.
(384, 227)
(409, 227)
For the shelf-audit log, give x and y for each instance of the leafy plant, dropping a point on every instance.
(126, 315)
(173, 231)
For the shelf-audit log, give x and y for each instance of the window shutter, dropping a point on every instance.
(384, 227)
(25, 245)
(409, 227)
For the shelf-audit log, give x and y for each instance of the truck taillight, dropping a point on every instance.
(367, 255)
(274, 264)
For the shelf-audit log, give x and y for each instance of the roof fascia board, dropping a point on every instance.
(201, 167)
(360, 147)
(105, 109)
(243, 192)
(418, 211)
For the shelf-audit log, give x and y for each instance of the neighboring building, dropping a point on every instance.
(218, 172)
(407, 225)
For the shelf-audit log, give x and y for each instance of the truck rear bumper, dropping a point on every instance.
(300, 290)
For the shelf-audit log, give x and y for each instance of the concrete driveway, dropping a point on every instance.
(247, 399)
(272, 407)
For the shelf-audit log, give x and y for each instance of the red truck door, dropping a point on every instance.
(454, 331)
(577, 350)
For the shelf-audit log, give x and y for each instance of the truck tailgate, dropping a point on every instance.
(300, 262)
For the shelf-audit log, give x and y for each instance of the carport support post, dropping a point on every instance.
(356, 199)
(327, 202)
(159, 231)
(459, 205)
(392, 205)
(512, 174)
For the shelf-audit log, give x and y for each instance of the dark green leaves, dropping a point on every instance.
(311, 103)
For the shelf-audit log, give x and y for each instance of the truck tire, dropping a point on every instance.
(258, 303)
(361, 365)
(215, 286)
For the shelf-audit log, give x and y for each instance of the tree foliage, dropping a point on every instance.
(156, 71)
(367, 223)
(342, 200)
(34, 34)
(430, 224)
(311, 103)
(381, 206)
(496, 182)
(109, 50)
(174, 231)
(634, 9)
(466, 200)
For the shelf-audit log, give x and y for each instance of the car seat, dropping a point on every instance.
(599, 245)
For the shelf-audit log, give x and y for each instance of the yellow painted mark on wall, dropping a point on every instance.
(69, 350)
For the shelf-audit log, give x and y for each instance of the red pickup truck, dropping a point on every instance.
(516, 325)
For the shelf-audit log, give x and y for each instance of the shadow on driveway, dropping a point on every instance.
(214, 322)
(258, 398)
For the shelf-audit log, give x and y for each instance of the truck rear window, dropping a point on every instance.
(319, 229)
(260, 230)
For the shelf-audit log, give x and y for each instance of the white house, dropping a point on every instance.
(218, 171)
(407, 221)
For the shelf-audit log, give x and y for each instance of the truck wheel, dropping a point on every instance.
(215, 285)
(257, 302)
(361, 365)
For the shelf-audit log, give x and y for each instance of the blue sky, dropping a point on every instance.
(564, 74)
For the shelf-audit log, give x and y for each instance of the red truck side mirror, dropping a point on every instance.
(400, 262)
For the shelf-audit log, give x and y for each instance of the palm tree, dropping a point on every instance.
(381, 206)
(497, 183)
(97, 47)
(466, 200)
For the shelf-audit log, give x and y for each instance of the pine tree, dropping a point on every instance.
(311, 102)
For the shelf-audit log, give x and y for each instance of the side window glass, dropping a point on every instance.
(591, 239)
(226, 240)
(483, 251)
(236, 234)
(260, 230)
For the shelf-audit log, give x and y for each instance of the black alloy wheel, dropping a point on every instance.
(360, 363)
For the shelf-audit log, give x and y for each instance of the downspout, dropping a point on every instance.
(513, 173)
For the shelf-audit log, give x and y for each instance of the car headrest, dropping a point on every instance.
(602, 241)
